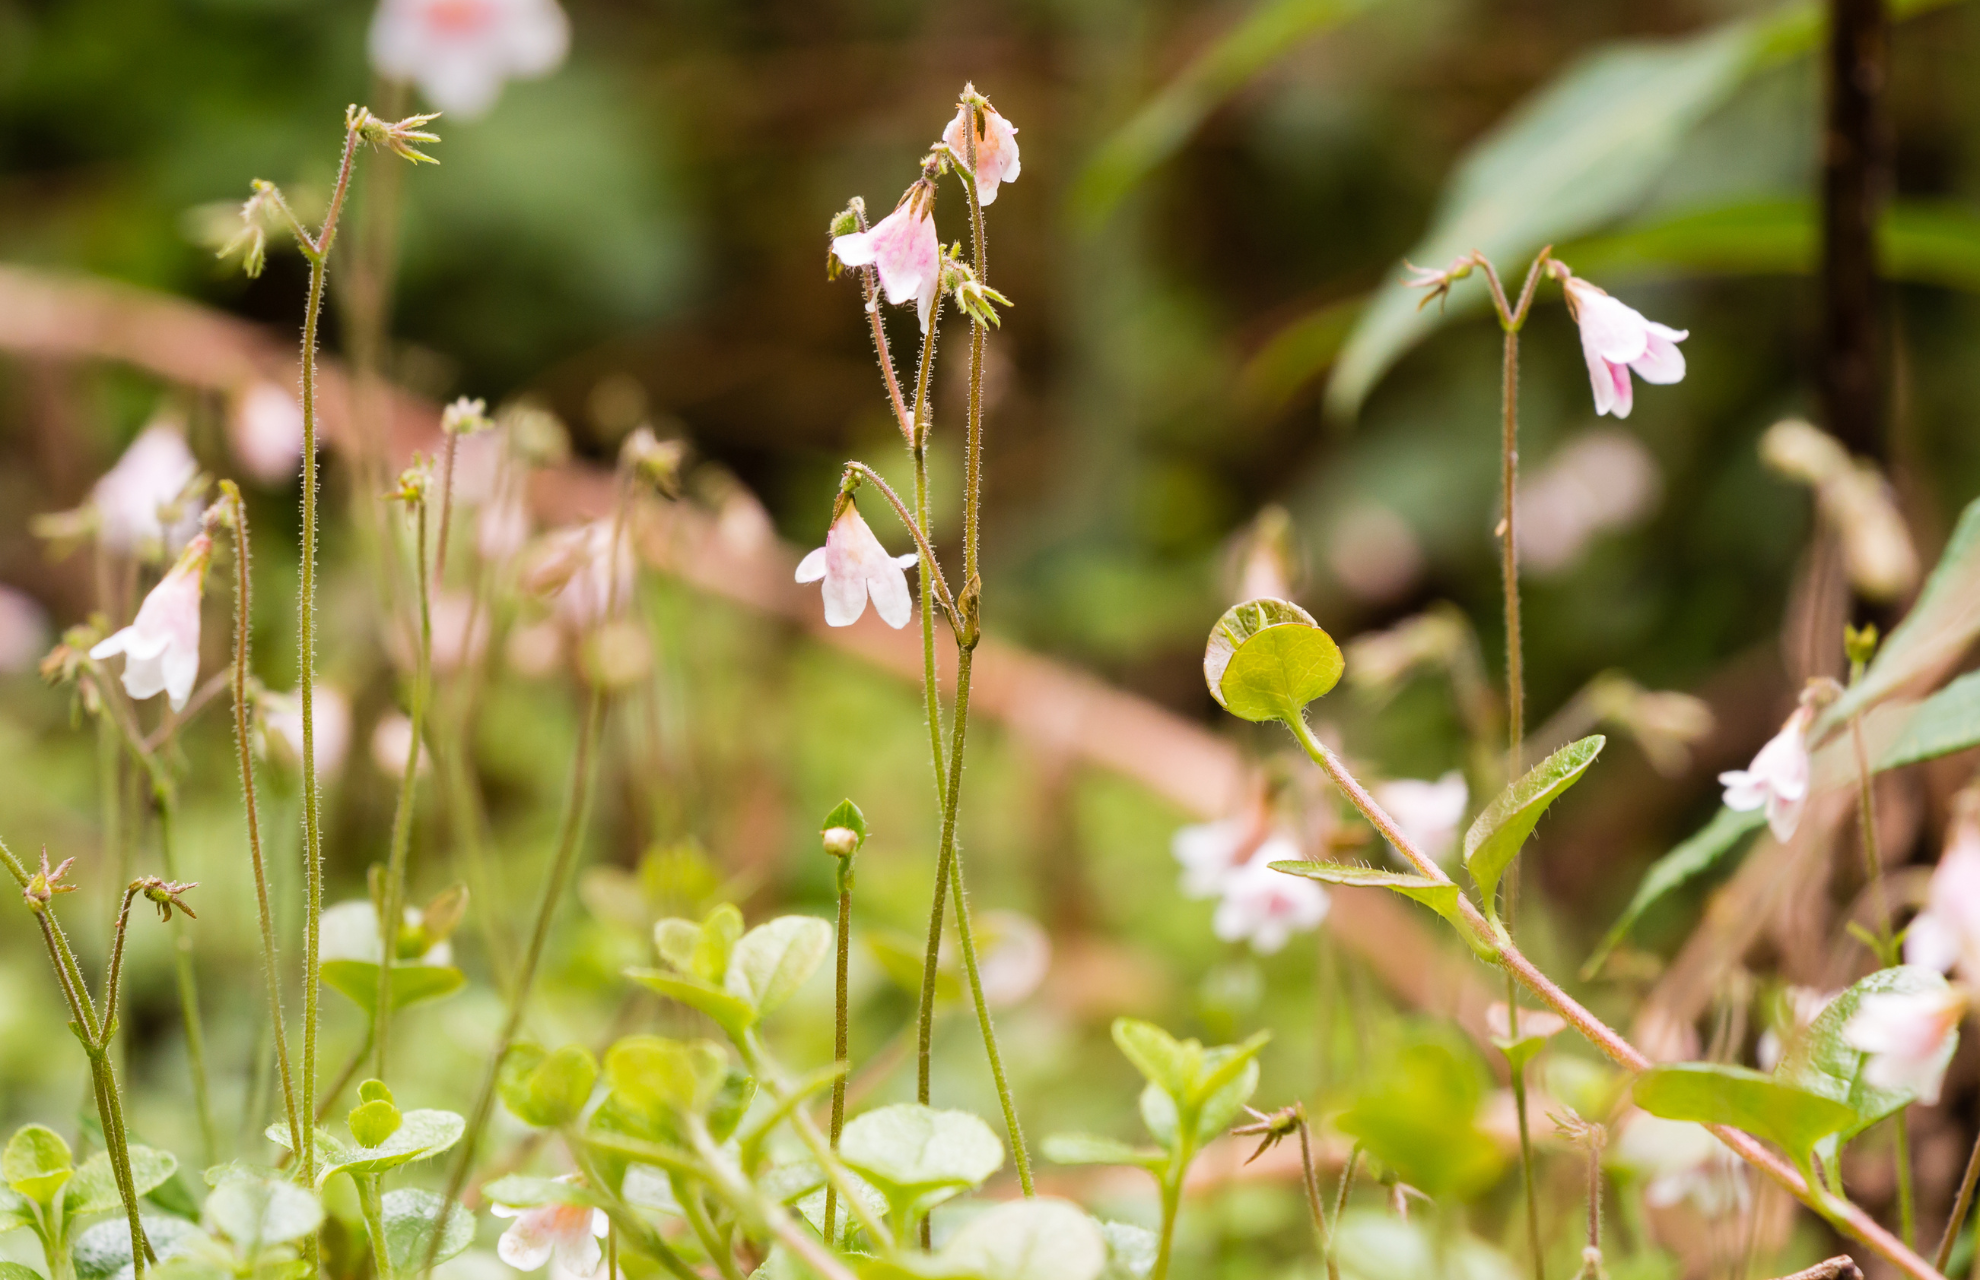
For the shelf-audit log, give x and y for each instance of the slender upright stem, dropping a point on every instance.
(392, 906)
(772, 1080)
(446, 514)
(968, 937)
(1962, 1205)
(841, 1041)
(370, 1204)
(187, 982)
(271, 974)
(1901, 1155)
(1309, 1180)
(1340, 1208)
(1525, 1143)
(1866, 819)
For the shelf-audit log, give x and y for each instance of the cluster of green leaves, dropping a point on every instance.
(46, 1192)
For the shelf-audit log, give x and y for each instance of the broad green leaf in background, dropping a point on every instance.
(1419, 1116)
(95, 1187)
(253, 1212)
(662, 1078)
(546, 1089)
(1941, 624)
(901, 957)
(1031, 1239)
(1581, 152)
(412, 1219)
(1090, 1148)
(36, 1162)
(15, 1271)
(1693, 858)
(731, 1013)
(1946, 722)
(104, 1250)
(918, 1155)
(1792, 1119)
(1497, 835)
(1441, 896)
(1266, 659)
(773, 960)
(1165, 122)
(357, 981)
(420, 1134)
(15, 1210)
(1169, 1064)
(1822, 1062)
(1131, 1251)
(1374, 1244)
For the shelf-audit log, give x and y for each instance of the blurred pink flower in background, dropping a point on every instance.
(265, 431)
(996, 150)
(1266, 907)
(1427, 812)
(564, 1235)
(1211, 852)
(1601, 480)
(1910, 1037)
(1615, 339)
(23, 630)
(282, 726)
(391, 742)
(1681, 1162)
(1374, 553)
(161, 646)
(904, 249)
(575, 569)
(1778, 777)
(854, 565)
(459, 52)
(1946, 935)
(152, 475)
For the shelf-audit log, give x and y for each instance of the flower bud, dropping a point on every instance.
(840, 842)
(465, 417)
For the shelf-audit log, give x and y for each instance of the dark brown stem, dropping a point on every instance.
(1855, 181)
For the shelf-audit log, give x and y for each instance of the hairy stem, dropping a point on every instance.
(840, 1041)
(392, 905)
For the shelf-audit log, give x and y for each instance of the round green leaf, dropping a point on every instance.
(664, 1078)
(1267, 659)
(1131, 1251)
(420, 1134)
(731, 1013)
(1170, 1064)
(95, 1187)
(547, 1089)
(412, 1218)
(1496, 836)
(908, 1149)
(36, 1163)
(104, 1250)
(253, 1212)
(357, 981)
(1714, 1093)
(772, 960)
(1419, 1117)
(1033, 1239)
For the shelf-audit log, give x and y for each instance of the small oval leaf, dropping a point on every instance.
(1715, 1093)
(1498, 833)
(1266, 659)
(908, 1148)
(772, 960)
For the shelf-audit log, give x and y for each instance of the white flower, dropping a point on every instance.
(349, 931)
(996, 150)
(501, 528)
(1615, 338)
(1427, 812)
(1946, 935)
(161, 646)
(135, 499)
(1910, 1037)
(281, 717)
(460, 51)
(266, 431)
(854, 564)
(1267, 907)
(1777, 778)
(1017, 954)
(564, 1235)
(577, 569)
(904, 249)
(1681, 1161)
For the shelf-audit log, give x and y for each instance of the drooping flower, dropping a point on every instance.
(1267, 907)
(1910, 1037)
(139, 501)
(904, 249)
(459, 52)
(1778, 777)
(161, 646)
(1681, 1161)
(854, 565)
(996, 149)
(1615, 338)
(266, 432)
(563, 1235)
(1946, 935)
(282, 725)
(1427, 812)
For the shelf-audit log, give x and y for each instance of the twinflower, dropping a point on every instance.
(1910, 1037)
(459, 52)
(1615, 338)
(996, 148)
(854, 565)
(161, 646)
(564, 1235)
(140, 501)
(1778, 777)
(903, 248)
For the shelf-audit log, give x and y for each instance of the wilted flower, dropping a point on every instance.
(854, 565)
(1266, 562)
(1427, 812)
(46, 882)
(266, 432)
(996, 148)
(1778, 777)
(1267, 907)
(1910, 1037)
(564, 1235)
(1681, 1161)
(904, 249)
(282, 725)
(161, 646)
(459, 52)
(1946, 935)
(1615, 338)
(1603, 479)
(140, 502)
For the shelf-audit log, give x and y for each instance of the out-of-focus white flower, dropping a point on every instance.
(1017, 954)
(161, 646)
(452, 614)
(1427, 812)
(1615, 339)
(1266, 560)
(1778, 777)
(502, 528)
(138, 501)
(1267, 907)
(1681, 1161)
(1374, 553)
(577, 570)
(391, 742)
(349, 931)
(1603, 479)
(904, 249)
(459, 52)
(1532, 1022)
(1910, 1037)
(564, 1235)
(282, 724)
(23, 630)
(1212, 852)
(996, 149)
(854, 565)
(1855, 499)
(1946, 935)
(266, 432)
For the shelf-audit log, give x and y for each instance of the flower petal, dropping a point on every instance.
(845, 600)
(812, 567)
(888, 586)
(1661, 362)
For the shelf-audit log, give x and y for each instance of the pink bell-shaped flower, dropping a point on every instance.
(1615, 338)
(854, 566)
(1778, 777)
(996, 149)
(161, 646)
(459, 52)
(904, 249)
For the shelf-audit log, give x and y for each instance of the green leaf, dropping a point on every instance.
(918, 1155)
(1298, 352)
(1089, 1148)
(1497, 835)
(1156, 131)
(95, 1187)
(420, 1135)
(104, 1250)
(1441, 896)
(1714, 1093)
(773, 960)
(846, 814)
(901, 958)
(412, 1219)
(1266, 659)
(1942, 623)
(547, 1089)
(15, 1271)
(36, 1163)
(1689, 860)
(1418, 1116)
(357, 981)
(1131, 1251)
(1821, 1062)
(666, 1078)
(253, 1212)
(1032, 1239)
(1946, 722)
(15, 1211)
(734, 1015)
(1169, 1064)
(1233, 1083)
(523, 1191)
